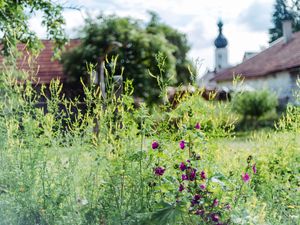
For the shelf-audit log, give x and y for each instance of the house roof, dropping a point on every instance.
(43, 66)
(278, 57)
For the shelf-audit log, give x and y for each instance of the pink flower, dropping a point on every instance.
(182, 144)
(245, 177)
(216, 202)
(155, 145)
(254, 168)
(198, 126)
(202, 186)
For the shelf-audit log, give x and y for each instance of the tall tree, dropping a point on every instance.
(137, 52)
(284, 10)
(179, 41)
(14, 24)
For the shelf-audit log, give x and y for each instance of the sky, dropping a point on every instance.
(246, 22)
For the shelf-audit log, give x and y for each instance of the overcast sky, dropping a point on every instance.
(246, 22)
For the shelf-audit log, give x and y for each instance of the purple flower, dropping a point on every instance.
(155, 145)
(245, 177)
(198, 126)
(193, 175)
(203, 175)
(189, 161)
(195, 200)
(182, 166)
(215, 217)
(216, 202)
(202, 186)
(182, 144)
(197, 197)
(181, 188)
(254, 168)
(228, 206)
(199, 212)
(159, 171)
(184, 177)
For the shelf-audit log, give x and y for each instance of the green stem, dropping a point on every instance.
(140, 162)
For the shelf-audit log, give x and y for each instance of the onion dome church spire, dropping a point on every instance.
(221, 41)
(221, 54)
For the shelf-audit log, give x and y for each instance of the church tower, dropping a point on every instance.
(221, 53)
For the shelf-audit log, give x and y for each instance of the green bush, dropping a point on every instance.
(254, 104)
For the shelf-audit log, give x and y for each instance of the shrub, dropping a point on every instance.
(254, 104)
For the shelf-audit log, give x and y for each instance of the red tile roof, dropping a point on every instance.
(43, 66)
(278, 57)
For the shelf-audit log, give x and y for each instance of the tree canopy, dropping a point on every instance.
(140, 45)
(284, 10)
(14, 24)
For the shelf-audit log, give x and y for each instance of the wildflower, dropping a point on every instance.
(199, 212)
(198, 126)
(254, 168)
(197, 197)
(184, 177)
(202, 186)
(193, 175)
(203, 175)
(189, 161)
(182, 166)
(216, 202)
(155, 145)
(215, 217)
(245, 177)
(159, 171)
(195, 200)
(181, 188)
(228, 206)
(182, 144)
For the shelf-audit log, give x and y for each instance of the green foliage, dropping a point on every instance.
(254, 104)
(179, 41)
(94, 163)
(138, 47)
(14, 24)
(284, 10)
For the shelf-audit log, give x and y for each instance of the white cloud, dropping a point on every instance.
(196, 18)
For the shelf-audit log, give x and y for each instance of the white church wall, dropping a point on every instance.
(280, 83)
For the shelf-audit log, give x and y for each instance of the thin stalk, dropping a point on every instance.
(140, 163)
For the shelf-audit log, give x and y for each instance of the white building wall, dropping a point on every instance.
(280, 83)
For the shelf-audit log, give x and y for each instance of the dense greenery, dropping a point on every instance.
(284, 10)
(254, 104)
(14, 24)
(138, 48)
(123, 165)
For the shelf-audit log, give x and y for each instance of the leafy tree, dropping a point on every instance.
(137, 53)
(14, 23)
(284, 10)
(180, 42)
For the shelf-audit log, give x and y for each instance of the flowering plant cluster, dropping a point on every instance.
(195, 188)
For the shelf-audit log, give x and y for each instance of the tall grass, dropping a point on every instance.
(68, 164)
